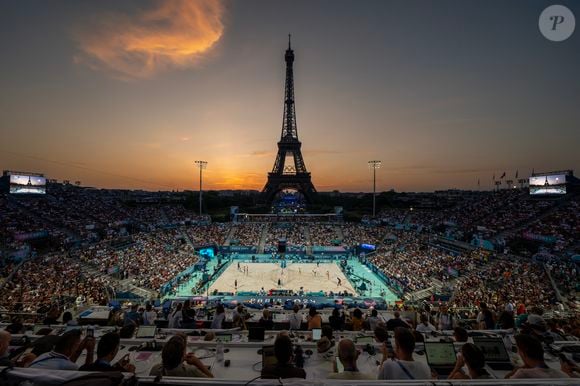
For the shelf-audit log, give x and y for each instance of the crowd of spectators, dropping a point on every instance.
(53, 279)
(502, 282)
(149, 262)
(247, 234)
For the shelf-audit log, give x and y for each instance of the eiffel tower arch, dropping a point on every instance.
(289, 171)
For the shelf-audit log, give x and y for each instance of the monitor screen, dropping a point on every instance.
(256, 334)
(316, 334)
(22, 184)
(548, 184)
(223, 338)
(365, 339)
(440, 353)
(146, 332)
(493, 349)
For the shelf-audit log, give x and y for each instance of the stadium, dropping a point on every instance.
(294, 283)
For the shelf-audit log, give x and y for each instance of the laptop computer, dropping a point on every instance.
(367, 339)
(146, 332)
(494, 351)
(256, 334)
(441, 357)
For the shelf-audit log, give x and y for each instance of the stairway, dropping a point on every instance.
(230, 235)
(263, 236)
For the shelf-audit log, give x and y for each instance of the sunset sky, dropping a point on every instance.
(128, 94)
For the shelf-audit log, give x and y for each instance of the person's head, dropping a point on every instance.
(127, 331)
(296, 308)
(404, 343)
(148, 307)
(347, 353)
(220, 309)
(374, 313)
(529, 349)
(327, 332)
(66, 317)
(173, 352)
(483, 306)
(312, 312)
(381, 334)
(108, 346)
(424, 319)
(5, 337)
(283, 349)
(179, 307)
(460, 334)
(335, 313)
(266, 314)
(474, 358)
(134, 307)
(68, 343)
(397, 314)
(357, 313)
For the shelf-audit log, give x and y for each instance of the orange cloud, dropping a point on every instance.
(173, 34)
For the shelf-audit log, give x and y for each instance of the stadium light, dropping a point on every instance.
(201, 165)
(374, 164)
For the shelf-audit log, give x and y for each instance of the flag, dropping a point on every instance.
(502, 176)
(517, 174)
(478, 182)
(494, 176)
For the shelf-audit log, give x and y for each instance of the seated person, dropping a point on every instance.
(403, 366)
(284, 355)
(326, 340)
(357, 320)
(532, 353)
(172, 361)
(107, 350)
(66, 352)
(67, 319)
(373, 320)
(424, 326)
(472, 357)
(396, 322)
(5, 337)
(336, 320)
(460, 334)
(266, 320)
(295, 318)
(218, 318)
(347, 355)
(314, 319)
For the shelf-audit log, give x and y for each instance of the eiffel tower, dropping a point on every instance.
(289, 171)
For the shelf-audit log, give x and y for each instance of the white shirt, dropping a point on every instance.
(149, 318)
(295, 320)
(390, 369)
(421, 327)
(217, 321)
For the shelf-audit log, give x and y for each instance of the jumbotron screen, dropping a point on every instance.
(22, 184)
(550, 184)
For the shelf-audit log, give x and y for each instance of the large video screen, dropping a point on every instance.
(552, 184)
(22, 184)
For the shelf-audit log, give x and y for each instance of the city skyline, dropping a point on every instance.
(129, 95)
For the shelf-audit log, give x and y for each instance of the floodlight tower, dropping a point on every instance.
(201, 165)
(374, 164)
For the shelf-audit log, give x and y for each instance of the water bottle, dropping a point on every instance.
(219, 355)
